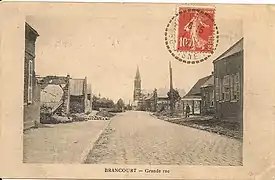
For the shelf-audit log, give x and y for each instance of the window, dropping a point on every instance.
(217, 89)
(237, 86)
(232, 84)
(30, 81)
(220, 89)
(226, 88)
(212, 99)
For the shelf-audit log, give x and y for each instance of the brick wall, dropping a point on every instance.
(32, 111)
(66, 97)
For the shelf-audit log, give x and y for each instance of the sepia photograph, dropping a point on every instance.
(109, 90)
(137, 91)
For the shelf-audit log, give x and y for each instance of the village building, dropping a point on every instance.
(194, 97)
(207, 97)
(63, 95)
(228, 80)
(157, 99)
(31, 88)
(163, 103)
(151, 101)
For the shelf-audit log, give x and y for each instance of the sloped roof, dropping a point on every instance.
(149, 96)
(30, 28)
(181, 92)
(209, 82)
(162, 92)
(235, 48)
(196, 89)
(76, 87)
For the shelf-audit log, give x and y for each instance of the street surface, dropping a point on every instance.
(138, 138)
(61, 143)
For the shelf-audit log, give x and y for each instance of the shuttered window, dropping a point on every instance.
(226, 88)
(237, 86)
(221, 89)
(232, 84)
(30, 81)
(212, 99)
(217, 89)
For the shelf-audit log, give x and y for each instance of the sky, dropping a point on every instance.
(107, 46)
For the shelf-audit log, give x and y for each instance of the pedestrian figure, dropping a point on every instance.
(187, 110)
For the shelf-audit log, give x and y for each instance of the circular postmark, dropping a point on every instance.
(191, 36)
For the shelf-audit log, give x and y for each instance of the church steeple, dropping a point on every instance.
(137, 86)
(137, 74)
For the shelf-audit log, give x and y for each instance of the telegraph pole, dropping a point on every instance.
(171, 89)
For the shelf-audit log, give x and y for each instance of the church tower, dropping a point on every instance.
(137, 86)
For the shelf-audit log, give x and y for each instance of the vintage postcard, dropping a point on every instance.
(132, 90)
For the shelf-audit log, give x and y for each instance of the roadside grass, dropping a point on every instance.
(213, 125)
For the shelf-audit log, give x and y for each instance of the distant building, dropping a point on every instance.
(194, 97)
(163, 103)
(150, 101)
(228, 74)
(89, 100)
(31, 88)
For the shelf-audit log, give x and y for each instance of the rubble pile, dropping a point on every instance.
(166, 115)
(87, 117)
(105, 114)
(55, 119)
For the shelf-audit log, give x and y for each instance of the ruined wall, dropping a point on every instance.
(64, 83)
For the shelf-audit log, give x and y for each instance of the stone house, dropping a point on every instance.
(31, 114)
(163, 103)
(151, 101)
(228, 80)
(207, 97)
(194, 97)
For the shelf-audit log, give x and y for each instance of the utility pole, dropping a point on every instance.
(171, 97)
(155, 99)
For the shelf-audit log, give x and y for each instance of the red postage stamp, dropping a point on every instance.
(191, 35)
(195, 30)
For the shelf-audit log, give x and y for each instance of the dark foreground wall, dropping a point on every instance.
(32, 111)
